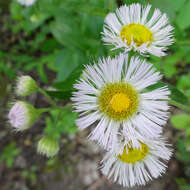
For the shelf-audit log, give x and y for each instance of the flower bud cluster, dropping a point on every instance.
(23, 115)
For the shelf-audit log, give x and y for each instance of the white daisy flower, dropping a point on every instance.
(113, 96)
(137, 166)
(25, 86)
(26, 2)
(22, 115)
(131, 28)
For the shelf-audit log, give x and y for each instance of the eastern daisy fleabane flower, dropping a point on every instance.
(25, 86)
(22, 115)
(113, 96)
(48, 146)
(137, 166)
(26, 2)
(131, 28)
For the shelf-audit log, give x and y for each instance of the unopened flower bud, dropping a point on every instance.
(25, 86)
(22, 115)
(48, 146)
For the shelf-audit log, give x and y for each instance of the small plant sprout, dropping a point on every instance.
(22, 115)
(48, 146)
(25, 86)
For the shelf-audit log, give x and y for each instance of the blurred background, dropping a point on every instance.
(52, 41)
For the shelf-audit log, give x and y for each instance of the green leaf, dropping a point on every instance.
(42, 73)
(65, 124)
(60, 95)
(15, 9)
(170, 63)
(175, 95)
(66, 31)
(177, 4)
(66, 62)
(169, 69)
(67, 85)
(181, 121)
(182, 154)
(181, 19)
(164, 6)
(49, 45)
(183, 84)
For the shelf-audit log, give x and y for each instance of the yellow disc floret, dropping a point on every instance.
(133, 155)
(139, 33)
(119, 101)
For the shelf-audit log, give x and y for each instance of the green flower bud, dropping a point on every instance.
(48, 146)
(25, 86)
(22, 115)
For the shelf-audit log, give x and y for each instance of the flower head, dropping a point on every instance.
(22, 115)
(25, 86)
(48, 146)
(113, 96)
(26, 2)
(130, 27)
(136, 166)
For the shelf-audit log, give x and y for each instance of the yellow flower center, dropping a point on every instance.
(119, 101)
(134, 155)
(139, 33)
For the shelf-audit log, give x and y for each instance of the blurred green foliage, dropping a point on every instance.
(9, 153)
(181, 121)
(30, 174)
(61, 122)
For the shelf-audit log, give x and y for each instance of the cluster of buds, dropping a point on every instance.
(23, 115)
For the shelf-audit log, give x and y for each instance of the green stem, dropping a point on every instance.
(57, 118)
(179, 105)
(56, 122)
(42, 110)
(52, 102)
